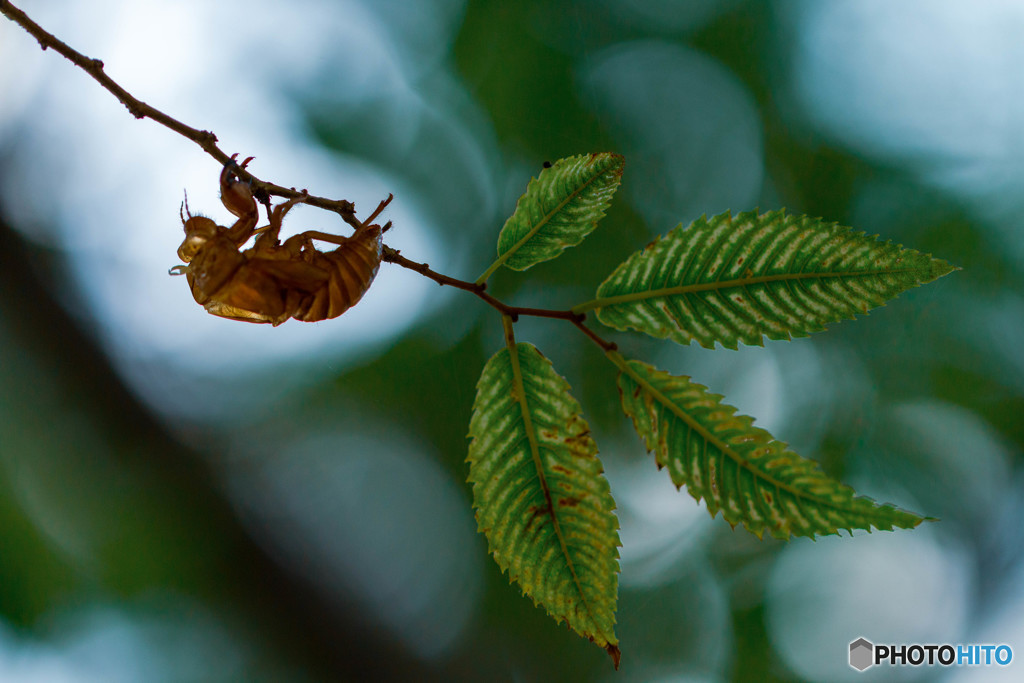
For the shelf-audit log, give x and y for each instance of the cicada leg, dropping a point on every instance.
(237, 197)
(268, 237)
(235, 193)
(310, 235)
(363, 227)
(377, 211)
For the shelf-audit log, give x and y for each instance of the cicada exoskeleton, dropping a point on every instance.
(271, 282)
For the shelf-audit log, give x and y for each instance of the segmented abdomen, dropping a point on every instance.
(352, 267)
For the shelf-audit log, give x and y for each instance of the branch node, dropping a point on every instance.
(97, 64)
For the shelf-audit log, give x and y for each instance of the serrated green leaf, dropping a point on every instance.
(739, 279)
(738, 468)
(560, 207)
(540, 495)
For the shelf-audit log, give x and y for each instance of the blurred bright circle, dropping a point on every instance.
(888, 587)
(689, 128)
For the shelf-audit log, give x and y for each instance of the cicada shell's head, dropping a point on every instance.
(198, 231)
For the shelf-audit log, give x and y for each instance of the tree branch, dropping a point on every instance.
(393, 256)
(207, 140)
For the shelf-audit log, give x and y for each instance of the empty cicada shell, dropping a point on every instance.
(271, 282)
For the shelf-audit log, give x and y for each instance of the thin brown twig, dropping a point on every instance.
(140, 110)
(393, 256)
(207, 140)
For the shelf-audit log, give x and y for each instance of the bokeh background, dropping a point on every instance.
(185, 498)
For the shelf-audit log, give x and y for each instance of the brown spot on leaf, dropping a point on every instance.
(537, 512)
(561, 468)
(569, 502)
(579, 440)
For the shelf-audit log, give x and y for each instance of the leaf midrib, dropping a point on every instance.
(534, 230)
(709, 437)
(605, 302)
(520, 389)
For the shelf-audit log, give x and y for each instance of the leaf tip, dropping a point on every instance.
(941, 268)
(615, 653)
(617, 159)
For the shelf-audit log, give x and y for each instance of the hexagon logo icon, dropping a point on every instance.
(861, 654)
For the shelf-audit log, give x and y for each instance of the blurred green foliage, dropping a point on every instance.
(105, 503)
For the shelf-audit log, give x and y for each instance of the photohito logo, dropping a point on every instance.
(865, 654)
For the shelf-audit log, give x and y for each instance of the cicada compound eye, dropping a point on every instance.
(190, 247)
(198, 231)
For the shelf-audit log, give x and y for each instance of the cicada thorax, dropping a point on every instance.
(350, 269)
(229, 284)
(212, 268)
